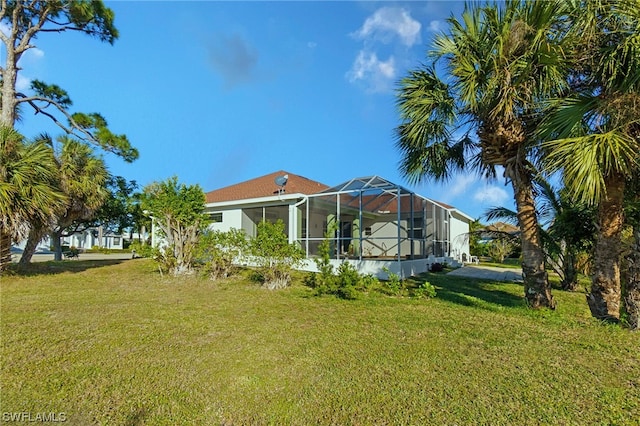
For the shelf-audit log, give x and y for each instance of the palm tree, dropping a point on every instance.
(501, 62)
(596, 128)
(27, 191)
(566, 228)
(632, 283)
(82, 178)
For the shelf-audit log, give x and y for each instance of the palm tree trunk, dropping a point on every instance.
(35, 236)
(632, 293)
(5, 249)
(57, 247)
(604, 298)
(537, 291)
(569, 281)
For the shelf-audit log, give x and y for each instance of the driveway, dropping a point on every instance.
(489, 273)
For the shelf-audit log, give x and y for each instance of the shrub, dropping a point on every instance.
(436, 267)
(276, 257)
(425, 289)
(347, 280)
(498, 250)
(141, 249)
(217, 251)
(346, 284)
(394, 284)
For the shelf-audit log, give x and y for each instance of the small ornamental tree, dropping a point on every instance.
(275, 256)
(178, 211)
(499, 249)
(219, 250)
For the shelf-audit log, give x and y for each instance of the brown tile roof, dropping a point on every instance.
(265, 186)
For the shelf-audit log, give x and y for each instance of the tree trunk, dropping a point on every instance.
(632, 291)
(35, 236)
(5, 249)
(8, 100)
(57, 247)
(570, 279)
(537, 291)
(605, 295)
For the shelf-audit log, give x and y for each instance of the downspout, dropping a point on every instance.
(360, 231)
(399, 234)
(338, 227)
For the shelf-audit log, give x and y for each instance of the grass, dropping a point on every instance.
(115, 343)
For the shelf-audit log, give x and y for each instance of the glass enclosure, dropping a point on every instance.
(372, 218)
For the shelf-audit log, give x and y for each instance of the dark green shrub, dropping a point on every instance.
(346, 284)
(347, 281)
(436, 267)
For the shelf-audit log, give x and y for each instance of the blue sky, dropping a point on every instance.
(220, 92)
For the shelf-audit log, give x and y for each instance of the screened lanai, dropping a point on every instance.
(372, 218)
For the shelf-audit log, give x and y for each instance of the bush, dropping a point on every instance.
(425, 290)
(276, 257)
(347, 280)
(217, 251)
(394, 284)
(142, 249)
(436, 267)
(347, 284)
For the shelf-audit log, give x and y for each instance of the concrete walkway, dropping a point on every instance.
(83, 256)
(489, 273)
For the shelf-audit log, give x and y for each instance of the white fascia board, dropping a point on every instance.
(463, 214)
(450, 210)
(275, 199)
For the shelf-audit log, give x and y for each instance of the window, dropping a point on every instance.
(367, 231)
(416, 230)
(116, 241)
(216, 217)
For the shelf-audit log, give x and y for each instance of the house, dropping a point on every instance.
(372, 223)
(94, 237)
(82, 240)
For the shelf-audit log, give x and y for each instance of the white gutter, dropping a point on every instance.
(271, 199)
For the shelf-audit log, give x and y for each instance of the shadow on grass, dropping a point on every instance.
(472, 292)
(58, 267)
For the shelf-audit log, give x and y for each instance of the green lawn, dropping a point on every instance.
(116, 343)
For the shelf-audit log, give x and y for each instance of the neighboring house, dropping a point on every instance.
(372, 223)
(94, 237)
(491, 231)
(83, 240)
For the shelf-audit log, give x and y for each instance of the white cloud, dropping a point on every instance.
(22, 83)
(436, 26)
(491, 195)
(460, 184)
(35, 53)
(312, 45)
(389, 22)
(378, 74)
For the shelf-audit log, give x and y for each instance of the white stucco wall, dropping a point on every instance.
(459, 235)
(230, 219)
